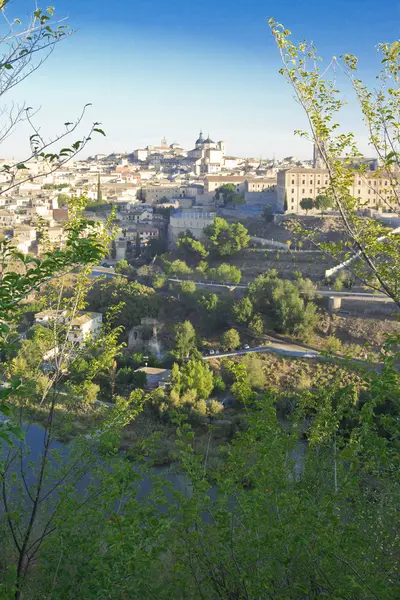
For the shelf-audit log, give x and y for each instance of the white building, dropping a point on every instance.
(192, 219)
(85, 326)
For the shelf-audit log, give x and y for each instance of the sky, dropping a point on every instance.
(154, 68)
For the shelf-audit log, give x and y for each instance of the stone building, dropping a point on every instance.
(144, 337)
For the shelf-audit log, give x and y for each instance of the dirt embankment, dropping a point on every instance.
(357, 330)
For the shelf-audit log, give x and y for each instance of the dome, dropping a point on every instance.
(200, 140)
(208, 141)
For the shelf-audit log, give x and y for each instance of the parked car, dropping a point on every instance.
(211, 352)
(246, 347)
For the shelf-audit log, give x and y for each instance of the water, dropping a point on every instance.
(33, 448)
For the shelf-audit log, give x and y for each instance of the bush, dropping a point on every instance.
(200, 408)
(219, 385)
(255, 371)
(332, 344)
(256, 325)
(214, 407)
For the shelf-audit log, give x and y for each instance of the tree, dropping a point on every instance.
(268, 214)
(139, 379)
(179, 268)
(371, 249)
(209, 303)
(224, 239)
(196, 375)
(307, 204)
(227, 190)
(225, 274)
(63, 200)
(138, 245)
(123, 267)
(242, 310)
(185, 340)
(255, 370)
(132, 300)
(188, 287)
(99, 192)
(230, 340)
(323, 202)
(256, 324)
(190, 247)
(281, 303)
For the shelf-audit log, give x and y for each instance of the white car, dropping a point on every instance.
(211, 352)
(246, 347)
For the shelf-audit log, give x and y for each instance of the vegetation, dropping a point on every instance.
(185, 340)
(279, 304)
(307, 204)
(190, 247)
(230, 340)
(316, 89)
(252, 509)
(224, 239)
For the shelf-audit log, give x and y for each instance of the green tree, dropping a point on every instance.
(370, 247)
(99, 198)
(281, 303)
(123, 267)
(255, 370)
(225, 274)
(224, 239)
(209, 303)
(138, 245)
(307, 204)
(230, 339)
(190, 247)
(323, 203)
(242, 310)
(63, 200)
(196, 375)
(133, 300)
(179, 268)
(185, 340)
(188, 287)
(256, 324)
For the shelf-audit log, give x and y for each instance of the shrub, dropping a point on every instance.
(214, 407)
(219, 385)
(332, 344)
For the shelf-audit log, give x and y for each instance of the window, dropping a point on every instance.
(369, 191)
(359, 183)
(310, 191)
(292, 191)
(318, 183)
(359, 192)
(304, 181)
(303, 191)
(292, 181)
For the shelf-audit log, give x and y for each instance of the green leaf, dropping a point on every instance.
(99, 131)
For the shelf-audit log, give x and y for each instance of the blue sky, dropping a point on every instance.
(153, 68)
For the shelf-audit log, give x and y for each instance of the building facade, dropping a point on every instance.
(192, 220)
(295, 184)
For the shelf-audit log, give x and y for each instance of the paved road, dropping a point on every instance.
(282, 348)
(365, 296)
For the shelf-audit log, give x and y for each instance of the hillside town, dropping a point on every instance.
(199, 345)
(187, 182)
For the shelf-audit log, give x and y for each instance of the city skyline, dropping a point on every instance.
(172, 70)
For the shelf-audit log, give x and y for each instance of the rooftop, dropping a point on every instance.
(154, 371)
